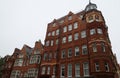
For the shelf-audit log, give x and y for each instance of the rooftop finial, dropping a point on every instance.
(89, 1)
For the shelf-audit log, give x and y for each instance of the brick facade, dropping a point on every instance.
(76, 46)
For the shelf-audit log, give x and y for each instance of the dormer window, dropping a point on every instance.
(69, 17)
(61, 21)
(54, 24)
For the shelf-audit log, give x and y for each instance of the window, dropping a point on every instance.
(69, 38)
(83, 34)
(43, 70)
(96, 17)
(69, 70)
(48, 71)
(63, 54)
(84, 50)
(75, 25)
(76, 36)
(47, 43)
(18, 62)
(32, 72)
(92, 32)
(20, 55)
(103, 47)
(64, 40)
(62, 70)
(49, 34)
(45, 56)
(69, 17)
(57, 32)
(99, 31)
(70, 27)
(54, 69)
(77, 70)
(70, 52)
(53, 33)
(50, 56)
(94, 46)
(77, 51)
(90, 19)
(97, 67)
(64, 29)
(51, 42)
(57, 41)
(55, 54)
(37, 52)
(54, 24)
(15, 74)
(35, 59)
(61, 21)
(106, 67)
(86, 69)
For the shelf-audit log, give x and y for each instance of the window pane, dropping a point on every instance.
(57, 32)
(63, 54)
(99, 31)
(92, 32)
(51, 42)
(70, 27)
(86, 69)
(106, 67)
(77, 51)
(76, 36)
(69, 38)
(62, 70)
(47, 43)
(53, 33)
(83, 34)
(64, 29)
(69, 52)
(57, 41)
(97, 67)
(43, 70)
(49, 34)
(69, 70)
(84, 50)
(48, 71)
(77, 70)
(103, 47)
(94, 46)
(64, 40)
(75, 25)
(69, 17)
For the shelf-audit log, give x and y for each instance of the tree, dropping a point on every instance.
(1, 65)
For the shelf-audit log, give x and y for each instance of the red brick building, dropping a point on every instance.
(78, 46)
(24, 63)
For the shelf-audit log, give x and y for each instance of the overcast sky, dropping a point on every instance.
(25, 21)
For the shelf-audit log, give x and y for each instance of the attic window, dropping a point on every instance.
(61, 21)
(70, 17)
(54, 24)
